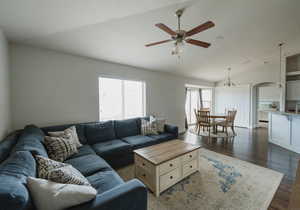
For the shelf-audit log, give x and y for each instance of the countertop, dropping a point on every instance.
(285, 113)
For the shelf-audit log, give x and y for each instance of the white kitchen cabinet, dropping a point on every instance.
(293, 90)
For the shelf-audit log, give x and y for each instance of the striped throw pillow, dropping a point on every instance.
(148, 128)
(60, 148)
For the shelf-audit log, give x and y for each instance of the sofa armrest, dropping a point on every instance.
(171, 129)
(131, 195)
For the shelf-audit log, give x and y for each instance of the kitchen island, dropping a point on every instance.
(284, 130)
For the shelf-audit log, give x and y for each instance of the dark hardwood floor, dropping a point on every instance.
(252, 146)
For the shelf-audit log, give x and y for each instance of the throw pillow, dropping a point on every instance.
(59, 172)
(70, 133)
(148, 128)
(60, 148)
(159, 123)
(48, 195)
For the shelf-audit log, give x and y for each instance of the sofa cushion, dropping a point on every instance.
(13, 174)
(7, 144)
(139, 141)
(13, 193)
(31, 139)
(79, 129)
(105, 180)
(83, 150)
(163, 137)
(112, 148)
(126, 128)
(19, 163)
(89, 164)
(99, 132)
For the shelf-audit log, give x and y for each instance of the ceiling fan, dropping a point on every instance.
(180, 36)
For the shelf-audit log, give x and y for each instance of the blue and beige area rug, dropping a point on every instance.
(222, 183)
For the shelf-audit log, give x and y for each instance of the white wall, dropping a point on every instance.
(234, 98)
(50, 88)
(5, 113)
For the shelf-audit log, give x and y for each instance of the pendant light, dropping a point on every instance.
(280, 63)
(228, 82)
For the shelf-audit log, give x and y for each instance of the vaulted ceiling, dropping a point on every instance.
(246, 33)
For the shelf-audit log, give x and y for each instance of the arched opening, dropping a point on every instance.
(266, 97)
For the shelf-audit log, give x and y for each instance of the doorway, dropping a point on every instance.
(266, 98)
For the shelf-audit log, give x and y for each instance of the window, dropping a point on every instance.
(192, 103)
(206, 98)
(121, 99)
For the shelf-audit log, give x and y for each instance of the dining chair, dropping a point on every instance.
(228, 122)
(204, 121)
(204, 109)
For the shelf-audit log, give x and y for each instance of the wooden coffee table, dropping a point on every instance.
(163, 165)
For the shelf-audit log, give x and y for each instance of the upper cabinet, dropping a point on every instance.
(292, 83)
(293, 90)
(293, 67)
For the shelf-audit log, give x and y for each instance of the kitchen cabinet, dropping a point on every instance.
(293, 90)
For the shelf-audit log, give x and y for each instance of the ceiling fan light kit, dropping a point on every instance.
(180, 36)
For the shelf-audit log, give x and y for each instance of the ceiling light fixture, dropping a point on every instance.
(228, 82)
(181, 37)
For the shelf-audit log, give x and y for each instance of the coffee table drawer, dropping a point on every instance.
(144, 164)
(190, 167)
(169, 166)
(169, 179)
(146, 177)
(189, 156)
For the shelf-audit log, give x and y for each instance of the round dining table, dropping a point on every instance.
(214, 117)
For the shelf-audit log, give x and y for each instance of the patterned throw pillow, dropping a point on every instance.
(159, 123)
(60, 148)
(59, 172)
(148, 128)
(69, 133)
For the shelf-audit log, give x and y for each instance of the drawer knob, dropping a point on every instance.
(171, 177)
(191, 156)
(143, 164)
(191, 166)
(171, 164)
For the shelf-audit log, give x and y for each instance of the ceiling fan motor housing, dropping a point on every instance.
(180, 35)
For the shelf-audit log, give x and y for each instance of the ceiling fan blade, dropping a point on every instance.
(166, 29)
(198, 43)
(200, 28)
(156, 43)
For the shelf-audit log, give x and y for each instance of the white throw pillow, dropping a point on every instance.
(48, 195)
(69, 133)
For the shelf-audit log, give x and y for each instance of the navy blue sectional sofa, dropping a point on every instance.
(106, 146)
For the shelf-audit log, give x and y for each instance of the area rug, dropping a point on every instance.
(220, 134)
(222, 183)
